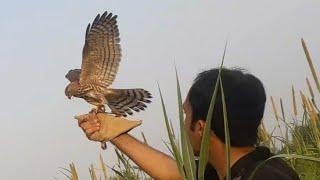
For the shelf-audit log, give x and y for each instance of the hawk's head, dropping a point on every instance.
(73, 89)
(73, 75)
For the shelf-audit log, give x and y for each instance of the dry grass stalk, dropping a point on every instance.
(274, 109)
(277, 116)
(304, 101)
(312, 112)
(144, 138)
(93, 173)
(104, 168)
(74, 174)
(310, 88)
(314, 120)
(282, 110)
(294, 102)
(313, 71)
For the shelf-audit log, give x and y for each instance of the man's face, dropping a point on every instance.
(194, 133)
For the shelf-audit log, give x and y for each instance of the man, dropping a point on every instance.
(245, 100)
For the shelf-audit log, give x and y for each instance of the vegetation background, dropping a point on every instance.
(42, 40)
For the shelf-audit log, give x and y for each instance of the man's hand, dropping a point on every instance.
(90, 125)
(103, 127)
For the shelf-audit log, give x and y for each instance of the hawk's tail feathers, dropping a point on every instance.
(128, 100)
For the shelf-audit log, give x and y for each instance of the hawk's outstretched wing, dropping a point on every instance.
(101, 52)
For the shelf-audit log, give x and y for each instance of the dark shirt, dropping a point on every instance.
(275, 169)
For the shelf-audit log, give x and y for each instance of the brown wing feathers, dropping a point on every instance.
(129, 99)
(114, 50)
(101, 52)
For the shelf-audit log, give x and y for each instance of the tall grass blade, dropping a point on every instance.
(65, 174)
(168, 147)
(69, 171)
(174, 147)
(205, 142)
(187, 151)
(226, 132)
(119, 157)
(118, 173)
(172, 130)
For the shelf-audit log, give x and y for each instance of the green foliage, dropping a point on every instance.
(300, 146)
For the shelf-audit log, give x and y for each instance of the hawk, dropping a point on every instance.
(101, 56)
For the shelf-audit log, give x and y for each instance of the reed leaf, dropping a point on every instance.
(168, 147)
(118, 172)
(205, 142)
(187, 153)
(174, 147)
(65, 174)
(226, 132)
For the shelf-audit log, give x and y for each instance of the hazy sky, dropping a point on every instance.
(40, 41)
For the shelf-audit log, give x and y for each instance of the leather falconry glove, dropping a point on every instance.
(110, 126)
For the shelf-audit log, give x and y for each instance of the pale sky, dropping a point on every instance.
(40, 41)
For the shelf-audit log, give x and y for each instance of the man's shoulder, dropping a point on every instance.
(259, 165)
(275, 168)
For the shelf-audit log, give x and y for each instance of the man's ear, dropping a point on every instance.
(200, 125)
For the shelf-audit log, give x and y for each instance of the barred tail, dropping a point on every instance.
(126, 100)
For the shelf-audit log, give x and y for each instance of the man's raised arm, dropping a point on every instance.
(155, 163)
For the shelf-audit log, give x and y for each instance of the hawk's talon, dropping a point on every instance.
(103, 145)
(101, 109)
(93, 111)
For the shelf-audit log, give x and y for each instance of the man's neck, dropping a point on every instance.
(218, 157)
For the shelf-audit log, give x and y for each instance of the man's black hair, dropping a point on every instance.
(245, 100)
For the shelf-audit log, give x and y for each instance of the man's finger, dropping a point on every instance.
(85, 117)
(89, 124)
(94, 136)
(92, 133)
(82, 118)
(92, 130)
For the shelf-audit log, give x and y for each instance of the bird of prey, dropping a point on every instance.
(101, 56)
